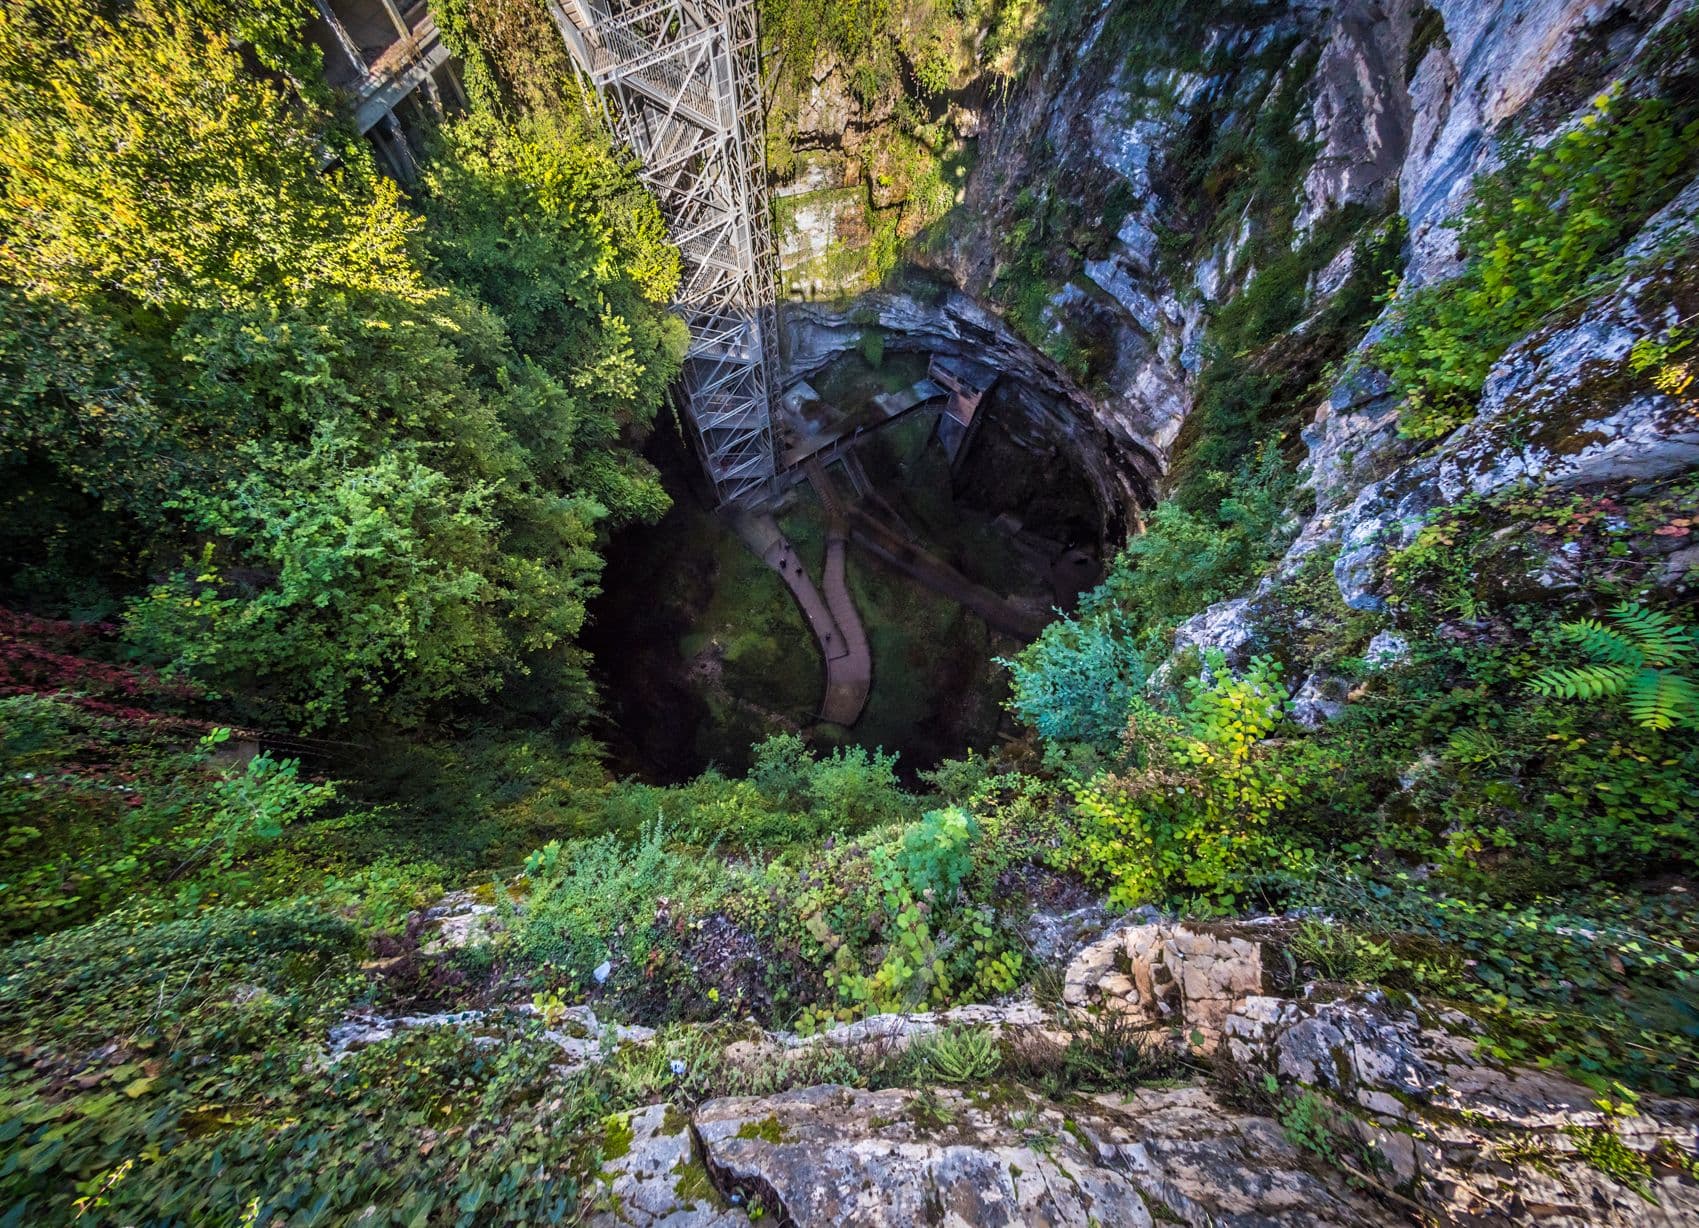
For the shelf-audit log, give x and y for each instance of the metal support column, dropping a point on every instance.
(679, 82)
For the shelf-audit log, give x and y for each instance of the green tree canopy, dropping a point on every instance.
(345, 464)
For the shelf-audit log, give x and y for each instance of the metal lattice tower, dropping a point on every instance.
(679, 83)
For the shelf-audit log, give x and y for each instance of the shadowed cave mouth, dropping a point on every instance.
(965, 538)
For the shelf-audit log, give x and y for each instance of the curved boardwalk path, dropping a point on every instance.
(839, 600)
(832, 617)
(898, 550)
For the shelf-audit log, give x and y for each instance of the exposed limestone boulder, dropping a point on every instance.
(1386, 650)
(831, 1155)
(455, 921)
(888, 1032)
(1053, 937)
(1319, 699)
(1172, 977)
(1226, 627)
(652, 1176)
(1474, 1140)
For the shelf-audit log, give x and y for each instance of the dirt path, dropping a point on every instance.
(839, 599)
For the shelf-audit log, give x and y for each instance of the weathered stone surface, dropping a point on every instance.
(1171, 977)
(1054, 937)
(1225, 627)
(1456, 1130)
(1563, 407)
(657, 1180)
(898, 1031)
(1386, 650)
(1497, 58)
(1318, 700)
(1205, 1163)
(829, 1155)
(1360, 109)
(457, 920)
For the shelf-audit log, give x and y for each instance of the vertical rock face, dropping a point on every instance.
(1361, 114)
(1399, 103)
(1097, 126)
(1403, 104)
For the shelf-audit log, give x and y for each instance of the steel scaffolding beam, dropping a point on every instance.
(679, 84)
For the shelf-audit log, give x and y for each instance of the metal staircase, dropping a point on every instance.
(679, 84)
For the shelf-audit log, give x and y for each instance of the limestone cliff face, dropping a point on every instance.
(1400, 103)
(1557, 409)
(1106, 223)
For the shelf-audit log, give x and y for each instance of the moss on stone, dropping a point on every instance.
(616, 1137)
(692, 1185)
(768, 1130)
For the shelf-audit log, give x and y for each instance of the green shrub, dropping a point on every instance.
(162, 826)
(937, 853)
(1604, 985)
(593, 899)
(1198, 816)
(1077, 681)
(1339, 953)
(1646, 659)
(959, 1055)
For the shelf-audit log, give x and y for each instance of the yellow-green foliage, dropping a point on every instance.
(234, 376)
(1200, 813)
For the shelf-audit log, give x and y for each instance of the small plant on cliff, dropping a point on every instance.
(960, 1055)
(1644, 659)
(1541, 234)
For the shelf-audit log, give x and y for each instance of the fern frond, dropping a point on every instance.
(1474, 746)
(1658, 699)
(1602, 643)
(1661, 639)
(1584, 681)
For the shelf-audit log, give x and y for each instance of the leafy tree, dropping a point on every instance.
(544, 223)
(235, 378)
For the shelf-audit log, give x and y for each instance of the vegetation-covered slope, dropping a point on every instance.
(291, 451)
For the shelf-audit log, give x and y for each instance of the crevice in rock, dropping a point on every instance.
(736, 1191)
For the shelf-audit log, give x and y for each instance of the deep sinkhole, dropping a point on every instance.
(702, 652)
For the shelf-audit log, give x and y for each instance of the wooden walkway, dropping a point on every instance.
(898, 550)
(833, 617)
